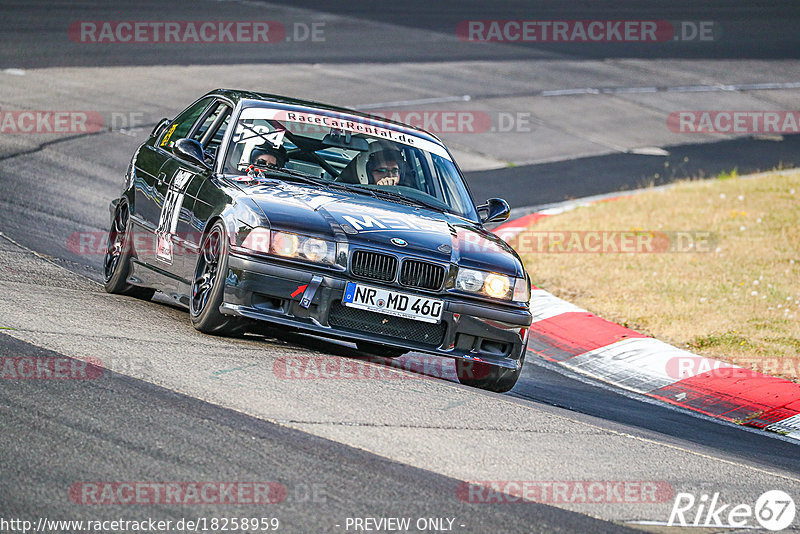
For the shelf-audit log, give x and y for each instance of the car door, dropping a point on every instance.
(179, 231)
(150, 179)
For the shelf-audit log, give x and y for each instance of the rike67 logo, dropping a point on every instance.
(773, 510)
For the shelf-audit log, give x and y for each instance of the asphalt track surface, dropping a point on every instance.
(376, 449)
(176, 437)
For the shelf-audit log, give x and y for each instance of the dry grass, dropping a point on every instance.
(740, 302)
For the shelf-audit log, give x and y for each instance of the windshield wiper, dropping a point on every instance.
(292, 172)
(307, 178)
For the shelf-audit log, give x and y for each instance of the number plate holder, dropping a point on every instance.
(390, 302)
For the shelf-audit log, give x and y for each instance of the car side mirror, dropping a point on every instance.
(191, 151)
(495, 210)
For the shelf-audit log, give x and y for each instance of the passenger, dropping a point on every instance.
(268, 156)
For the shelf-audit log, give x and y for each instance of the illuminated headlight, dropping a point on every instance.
(290, 245)
(303, 247)
(285, 244)
(498, 286)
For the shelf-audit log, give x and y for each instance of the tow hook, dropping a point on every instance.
(310, 291)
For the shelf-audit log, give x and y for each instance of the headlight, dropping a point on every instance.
(258, 240)
(498, 286)
(469, 280)
(315, 250)
(285, 244)
(290, 245)
(303, 247)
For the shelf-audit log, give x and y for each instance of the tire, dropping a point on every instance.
(117, 260)
(208, 286)
(377, 349)
(486, 376)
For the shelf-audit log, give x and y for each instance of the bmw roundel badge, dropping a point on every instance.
(399, 242)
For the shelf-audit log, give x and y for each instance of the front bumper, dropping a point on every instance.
(273, 292)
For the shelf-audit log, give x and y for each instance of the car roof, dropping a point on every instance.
(248, 98)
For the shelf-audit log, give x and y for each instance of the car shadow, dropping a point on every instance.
(423, 366)
(409, 366)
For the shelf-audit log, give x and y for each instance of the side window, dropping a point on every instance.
(181, 125)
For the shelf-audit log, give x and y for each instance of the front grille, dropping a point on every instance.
(348, 318)
(421, 274)
(373, 265)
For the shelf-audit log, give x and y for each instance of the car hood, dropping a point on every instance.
(369, 222)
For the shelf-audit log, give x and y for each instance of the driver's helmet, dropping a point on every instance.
(280, 154)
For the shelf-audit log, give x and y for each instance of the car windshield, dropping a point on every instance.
(360, 153)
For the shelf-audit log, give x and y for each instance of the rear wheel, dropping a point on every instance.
(486, 376)
(117, 260)
(380, 350)
(208, 286)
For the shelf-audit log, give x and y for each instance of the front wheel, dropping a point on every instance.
(117, 260)
(208, 285)
(486, 376)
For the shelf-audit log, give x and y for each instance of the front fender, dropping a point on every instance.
(239, 219)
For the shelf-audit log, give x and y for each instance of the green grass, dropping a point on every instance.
(737, 301)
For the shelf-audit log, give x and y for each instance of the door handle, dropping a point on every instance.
(161, 177)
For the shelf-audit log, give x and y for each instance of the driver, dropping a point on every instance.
(268, 156)
(384, 167)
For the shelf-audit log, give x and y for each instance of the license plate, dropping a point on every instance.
(394, 303)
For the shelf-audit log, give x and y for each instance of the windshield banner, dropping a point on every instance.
(349, 123)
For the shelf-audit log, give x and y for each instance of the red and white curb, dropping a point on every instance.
(588, 344)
